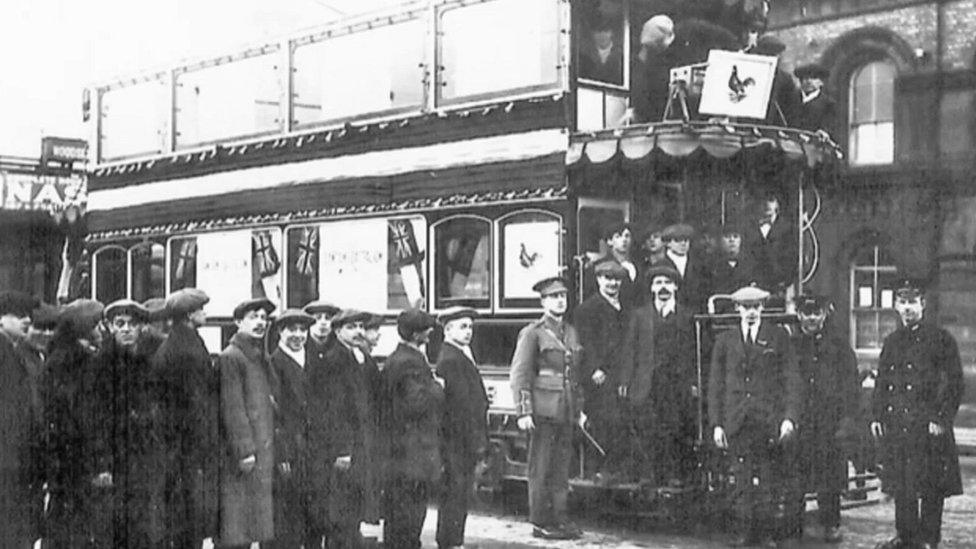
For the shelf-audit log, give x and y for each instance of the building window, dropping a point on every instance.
(147, 268)
(529, 249)
(110, 274)
(872, 121)
(873, 317)
(462, 266)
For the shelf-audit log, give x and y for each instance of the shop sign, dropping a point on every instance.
(25, 191)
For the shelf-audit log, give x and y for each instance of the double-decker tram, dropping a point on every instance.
(441, 153)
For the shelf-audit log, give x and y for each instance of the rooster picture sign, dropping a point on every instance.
(737, 84)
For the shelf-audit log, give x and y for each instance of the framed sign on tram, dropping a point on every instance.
(737, 84)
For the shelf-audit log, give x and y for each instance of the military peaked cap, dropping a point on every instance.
(550, 285)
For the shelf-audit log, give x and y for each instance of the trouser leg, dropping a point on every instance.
(558, 478)
(906, 517)
(828, 504)
(407, 508)
(541, 443)
(931, 519)
(452, 509)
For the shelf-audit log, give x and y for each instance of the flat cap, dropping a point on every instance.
(730, 227)
(321, 307)
(678, 231)
(45, 316)
(550, 285)
(414, 320)
(811, 70)
(17, 303)
(663, 270)
(294, 316)
(346, 316)
(910, 287)
(186, 300)
(126, 307)
(157, 308)
(456, 312)
(609, 268)
(769, 45)
(255, 304)
(82, 315)
(616, 228)
(749, 294)
(812, 303)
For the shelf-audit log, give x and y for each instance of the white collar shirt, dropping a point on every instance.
(680, 262)
(297, 356)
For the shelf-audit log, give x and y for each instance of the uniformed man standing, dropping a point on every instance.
(753, 400)
(544, 379)
(828, 369)
(916, 398)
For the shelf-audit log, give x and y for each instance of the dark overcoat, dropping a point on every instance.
(411, 416)
(602, 330)
(465, 423)
(371, 465)
(246, 510)
(674, 373)
(819, 113)
(17, 435)
(292, 493)
(695, 285)
(187, 382)
(638, 356)
(773, 258)
(828, 414)
(919, 381)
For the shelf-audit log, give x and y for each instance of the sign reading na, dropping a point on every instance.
(25, 191)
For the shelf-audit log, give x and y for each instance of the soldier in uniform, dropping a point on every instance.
(753, 400)
(916, 398)
(545, 383)
(602, 322)
(828, 369)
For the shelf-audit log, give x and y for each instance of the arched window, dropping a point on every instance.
(873, 317)
(871, 114)
(462, 266)
(529, 244)
(148, 271)
(110, 274)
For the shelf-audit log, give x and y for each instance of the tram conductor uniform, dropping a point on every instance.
(753, 398)
(544, 380)
(916, 398)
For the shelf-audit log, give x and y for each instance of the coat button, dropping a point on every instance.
(748, 395)
(908, 387)
(816, 359)
(891, 387)
(891, 408)
(748, 379)
(909, 365)
(811, 380)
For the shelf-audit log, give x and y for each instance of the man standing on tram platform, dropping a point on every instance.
(545, 383)
(916, 398)
(753, 400)
(619, 238)
(828, 369)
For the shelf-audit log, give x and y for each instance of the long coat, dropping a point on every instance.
(465, 424)
(601, 331)
(773, 257)
(189, 422)
(638, 355)
(292, 493)
(411, 416)
(16, 442)
(828, 369)
(919, 381)
(371, 466)
(246, 510)
(695, 285)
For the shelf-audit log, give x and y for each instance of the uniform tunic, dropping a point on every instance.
(919, 381)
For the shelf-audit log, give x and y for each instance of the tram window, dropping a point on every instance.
(601, 42)
(233, 99)
(134, 120)
(182, 263)
(529, 250)
(872, 121)
(499, 45)
(110, 274)
(593, 218)
(873, 316)
(302, 270)
(364, 72)
(373, 264)
(147, 264)
(462, 266)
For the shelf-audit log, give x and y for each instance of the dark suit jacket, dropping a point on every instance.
(611, 72)
(465, 423)
(694, 287)
(726, 279)
(774, 257)
(601, 331)
(638, 355)
(291, 417)
(818, 114)
(756, 382)
(410, 421)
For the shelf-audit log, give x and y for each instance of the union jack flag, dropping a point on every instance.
(186, 260)
(266, 260)
(307, 253)
(406, 252)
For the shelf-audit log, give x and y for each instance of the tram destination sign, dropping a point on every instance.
(65, 150)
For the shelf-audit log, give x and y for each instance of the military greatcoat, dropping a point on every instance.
(919, 381)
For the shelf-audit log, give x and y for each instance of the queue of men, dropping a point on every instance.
(118, 433)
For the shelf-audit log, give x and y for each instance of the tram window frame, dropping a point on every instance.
(879, 304)
(879, 117)
(443, 76)
(481, 304)
(581, 38)
(585, 203)
(136, 138)
(131, 276)
(125, 274)
(523, 303)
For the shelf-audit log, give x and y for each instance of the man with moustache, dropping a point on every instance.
(602, 321)
(294, 526)
(246, 509)
(753, 401)
(828, 368)
(548, 401)
(916, 398)
(122, 408)
(410, 422)
(187, 383)
(465, 424)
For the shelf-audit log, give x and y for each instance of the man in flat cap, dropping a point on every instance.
(413, 404)
(916, 398)
(339, 415)
(817, 111)
(657, 380)
(16, 421)
(753, 402)
(157, 326)
(619, 240)
(121, 409)
(375, 448)
(652, 247)
(246, 510)
(294, 524)
(694, 285)
(545, 380)
(465, 423)
(828, 368)
(730, 269)
(188, 385)
(601, 320)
